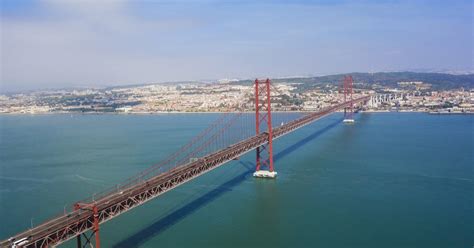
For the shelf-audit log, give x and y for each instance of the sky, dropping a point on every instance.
(93, 43)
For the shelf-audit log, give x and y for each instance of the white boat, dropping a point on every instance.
(348, 121)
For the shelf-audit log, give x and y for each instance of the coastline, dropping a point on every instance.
(219, 112)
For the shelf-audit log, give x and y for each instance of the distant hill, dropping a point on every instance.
(439, 81)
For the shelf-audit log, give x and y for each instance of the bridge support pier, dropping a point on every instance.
(263, 115)
(79, 241)
(347, 89)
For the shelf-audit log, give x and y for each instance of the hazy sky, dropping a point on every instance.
(61, 43)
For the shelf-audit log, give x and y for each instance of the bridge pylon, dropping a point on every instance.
(348, 90)
(263, 117)
(93, 222)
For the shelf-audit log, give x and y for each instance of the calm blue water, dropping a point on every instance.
(390, 180)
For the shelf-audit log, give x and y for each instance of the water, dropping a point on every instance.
(391, 180)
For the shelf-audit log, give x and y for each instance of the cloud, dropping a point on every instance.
(61, 43)
(83, 43)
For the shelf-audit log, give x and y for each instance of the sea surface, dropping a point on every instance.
(389, 180)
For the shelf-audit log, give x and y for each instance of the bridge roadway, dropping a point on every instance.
(65, 227)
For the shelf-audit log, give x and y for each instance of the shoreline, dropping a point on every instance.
(218, 112)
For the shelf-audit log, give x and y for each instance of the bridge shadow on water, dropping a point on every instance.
(302, 142)
(174, 217)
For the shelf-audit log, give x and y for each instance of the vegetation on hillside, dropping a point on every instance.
(439, 81)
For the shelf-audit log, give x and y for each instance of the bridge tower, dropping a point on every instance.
(263, 117)
(348, 90)
(93, 222)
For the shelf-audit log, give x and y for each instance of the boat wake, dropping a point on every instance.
(88, 179)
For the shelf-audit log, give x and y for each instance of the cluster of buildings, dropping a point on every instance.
(434, 102)
(231, 96)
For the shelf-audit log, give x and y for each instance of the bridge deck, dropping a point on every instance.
(63, 228)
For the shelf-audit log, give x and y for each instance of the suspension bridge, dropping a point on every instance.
(229, 137)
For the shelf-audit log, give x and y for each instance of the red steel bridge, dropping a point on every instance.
(224, 140)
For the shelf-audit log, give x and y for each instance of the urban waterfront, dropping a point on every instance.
(392, 179)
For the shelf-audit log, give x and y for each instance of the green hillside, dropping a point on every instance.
(439, 81)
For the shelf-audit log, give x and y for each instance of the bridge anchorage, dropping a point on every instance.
(263, 115)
